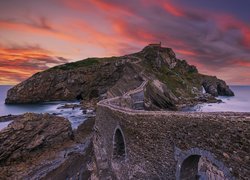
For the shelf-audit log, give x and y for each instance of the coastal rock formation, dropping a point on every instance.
(31, 133)
(216, 87)
(43, 146)
(159, 57)
(157, 96)
(100, 78)
(80, 80)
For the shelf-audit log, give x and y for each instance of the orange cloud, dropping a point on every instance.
(226, 22)
(246, 36)
(173, 9)
(76, 5)
(113, 7)
(94, 35)
(109, 27)
(242, 63)
(186, 52)
(131, 32)
(18, 63)
(123, 31)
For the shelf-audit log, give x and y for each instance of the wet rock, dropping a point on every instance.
(226, 155)
(31, 133)
(69, 106)
(215, 87)
(8, 118)
(247, 158)
(207, 98)
(88, 104)
(56, 114)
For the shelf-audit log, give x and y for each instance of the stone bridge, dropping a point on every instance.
(137, 144)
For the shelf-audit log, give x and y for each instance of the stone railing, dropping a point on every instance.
(170, 145)
(127, 101)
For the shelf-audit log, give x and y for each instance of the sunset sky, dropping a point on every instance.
(214, 35)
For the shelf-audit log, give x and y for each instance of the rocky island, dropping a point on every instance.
(172, 82)
(138, 132)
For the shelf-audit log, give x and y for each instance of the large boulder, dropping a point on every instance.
(216, 87)
(158, 96)
(32, 133)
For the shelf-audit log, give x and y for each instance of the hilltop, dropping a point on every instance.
(172, 83)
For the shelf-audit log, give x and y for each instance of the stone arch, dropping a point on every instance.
(199, 164)
(119, 145)
(189, 167)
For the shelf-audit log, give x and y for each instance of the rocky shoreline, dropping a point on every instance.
(33, 145)
(44, 146)
(172, 82)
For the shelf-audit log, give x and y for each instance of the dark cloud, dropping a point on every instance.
(40, 22)
(201, 36)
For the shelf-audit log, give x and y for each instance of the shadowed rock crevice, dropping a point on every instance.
(79, 97)
(119, 146)
(189, 168)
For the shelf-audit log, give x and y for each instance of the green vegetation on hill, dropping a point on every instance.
(180, 84)
(83, 63)
(181, 79)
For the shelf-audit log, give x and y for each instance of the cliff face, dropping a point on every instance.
(216, 87)
(44, 146)
(174, 81)
(81, 80)
(31, 133)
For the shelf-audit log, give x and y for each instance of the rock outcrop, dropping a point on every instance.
(43, 146)
(31, 133)
(81, 80)
(99, 78)
(216, 87)
(157, 96)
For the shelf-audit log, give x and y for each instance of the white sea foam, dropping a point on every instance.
(4, 124)
(238, 103)
(75, 116)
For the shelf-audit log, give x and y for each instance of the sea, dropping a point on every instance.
(238, 103)
(76, 116)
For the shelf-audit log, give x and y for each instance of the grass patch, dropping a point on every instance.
(83, 63)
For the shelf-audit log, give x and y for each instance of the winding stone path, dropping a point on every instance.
(157, 143)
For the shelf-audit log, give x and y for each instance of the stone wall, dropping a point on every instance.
(157, 143)
(169, 145)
